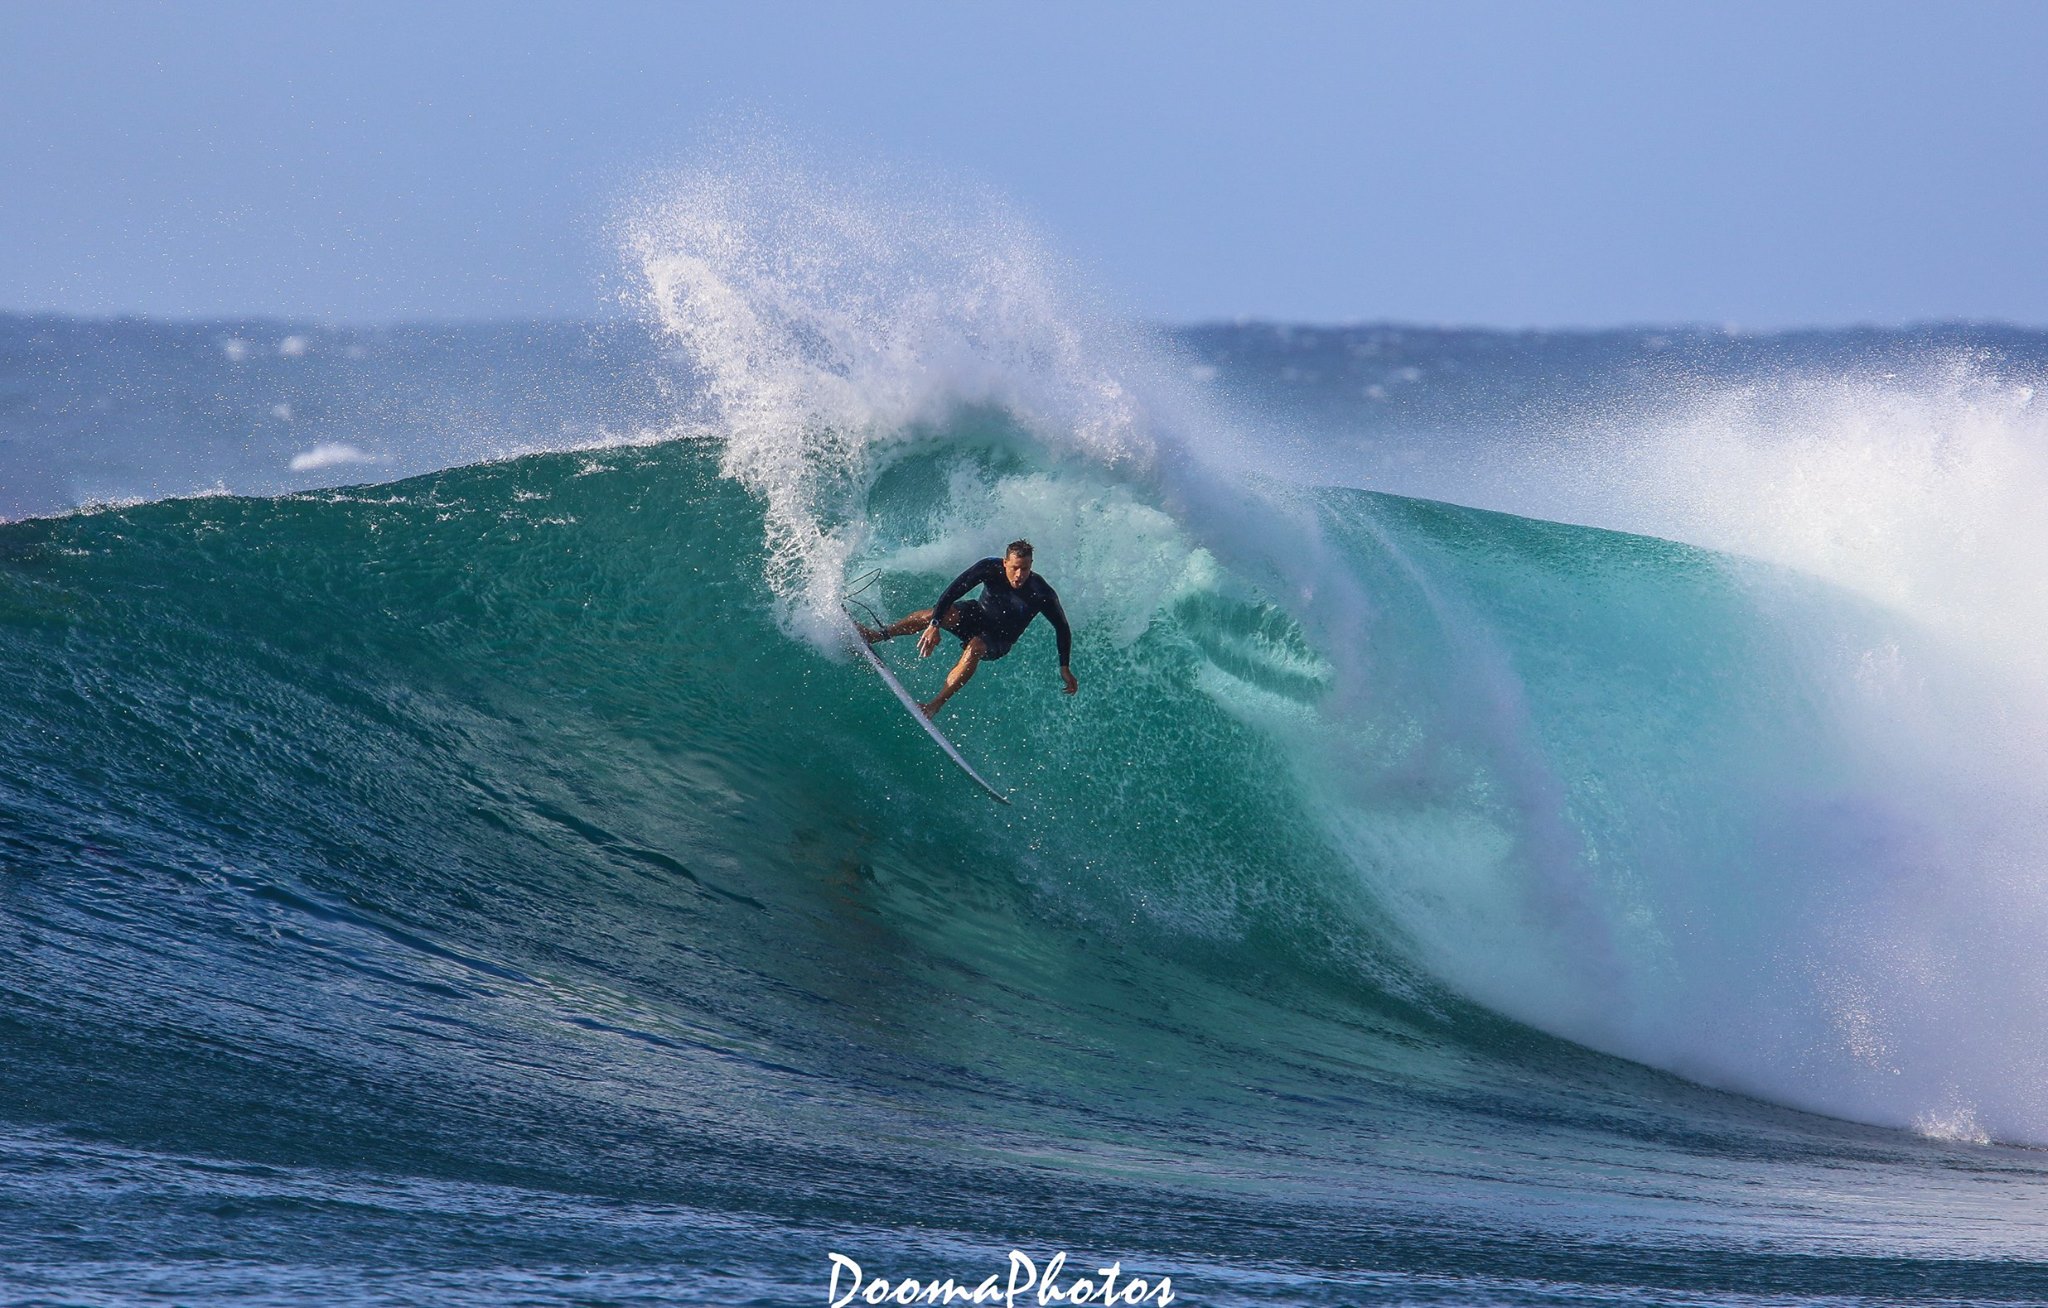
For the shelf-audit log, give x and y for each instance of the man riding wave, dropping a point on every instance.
(1011, 596)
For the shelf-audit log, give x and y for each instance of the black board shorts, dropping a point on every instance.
(971, 621)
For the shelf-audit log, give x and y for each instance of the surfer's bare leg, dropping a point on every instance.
(917, 621)
(963, 671)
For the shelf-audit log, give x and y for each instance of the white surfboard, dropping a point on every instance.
(917, 712)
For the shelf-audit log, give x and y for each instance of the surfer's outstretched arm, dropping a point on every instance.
(1063, 635)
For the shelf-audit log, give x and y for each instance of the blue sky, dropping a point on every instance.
(1509, 164)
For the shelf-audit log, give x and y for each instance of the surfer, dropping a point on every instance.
(1011, 596)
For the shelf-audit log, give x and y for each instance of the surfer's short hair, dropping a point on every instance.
(1019, 548)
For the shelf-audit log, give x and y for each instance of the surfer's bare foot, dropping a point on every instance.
(870, 635)
(931, 710)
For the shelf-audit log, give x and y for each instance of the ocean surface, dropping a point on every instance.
(1549, 818)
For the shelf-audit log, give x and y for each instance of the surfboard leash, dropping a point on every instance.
(852, 598)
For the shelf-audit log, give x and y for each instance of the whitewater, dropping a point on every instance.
(1549, 818)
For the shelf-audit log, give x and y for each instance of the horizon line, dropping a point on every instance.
(1241, 322)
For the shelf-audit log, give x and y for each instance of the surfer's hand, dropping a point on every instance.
(1067, 675)
(928, 642)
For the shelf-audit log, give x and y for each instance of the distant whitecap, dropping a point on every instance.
(329, 456)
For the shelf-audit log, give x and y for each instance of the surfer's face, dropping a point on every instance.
(1017, 568)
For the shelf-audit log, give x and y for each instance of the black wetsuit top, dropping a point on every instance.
(1003, 611)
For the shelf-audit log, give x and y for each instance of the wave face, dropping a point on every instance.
(501, 883)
